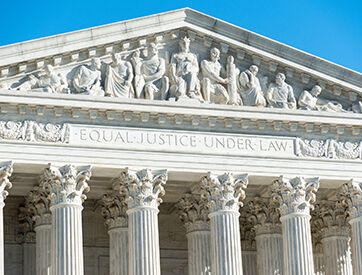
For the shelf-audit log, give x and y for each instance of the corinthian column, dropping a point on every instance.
(143, 190)
(194, 214)
(223, 194)
(66, 185)
(6, 169)
(295, 197)
(38, 204)
(269, 240)
(331, 222)
(114, 209)
(352, 196)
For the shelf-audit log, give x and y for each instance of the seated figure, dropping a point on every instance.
(87, 79)
(150, 73)
(49, 81)
(213, 90)
(252, 93)
(308, 100)
(183, 73)
(280, 94)
(119, 76)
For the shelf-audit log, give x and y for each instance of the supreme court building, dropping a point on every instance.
(177, 144)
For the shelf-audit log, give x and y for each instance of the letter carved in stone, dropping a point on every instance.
(224, 192)
(113, 209)
(142, 188)
(295, 195)
(67, 183)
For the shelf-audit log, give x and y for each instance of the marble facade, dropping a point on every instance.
(177, 144)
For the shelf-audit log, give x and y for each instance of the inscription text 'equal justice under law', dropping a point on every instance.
(180, 141)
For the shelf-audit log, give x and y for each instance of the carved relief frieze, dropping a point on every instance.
(29, 130)
(137, 70)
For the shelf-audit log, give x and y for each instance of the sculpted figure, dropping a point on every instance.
(280, 94)
(183, 73)
(152, 70)
(252, 93)
(49, 81)
(119, 76)
(212, 87)
(138, 80)
(232, 76)
(87, 80)
(357, 107)
(308, 100)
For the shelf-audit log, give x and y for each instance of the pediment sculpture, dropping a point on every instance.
(142, 73)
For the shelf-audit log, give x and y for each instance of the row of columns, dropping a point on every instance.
(211, 220)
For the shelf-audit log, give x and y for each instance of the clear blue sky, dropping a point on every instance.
(329, 29)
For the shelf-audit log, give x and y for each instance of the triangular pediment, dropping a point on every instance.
(23, 65)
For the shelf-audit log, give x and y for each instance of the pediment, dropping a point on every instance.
(23, 65)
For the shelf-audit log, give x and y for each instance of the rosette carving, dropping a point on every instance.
(6, 169)
(113, 209)
(295, 195)
(224, 192)
(351, 196)
(143, 188)
(38, 205)
(67, 183)
(193, 212)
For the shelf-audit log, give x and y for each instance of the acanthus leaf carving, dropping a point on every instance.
(6, 169)
(113, 209)
(351, 196)
(193, 212)
(224, 192)
(26, 225)
(38, 204)
(143, 188)
(66, 183)
(295, 195)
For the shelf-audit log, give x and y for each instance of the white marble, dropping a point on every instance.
(143, 190)
(6, 169)
(43, 249)
(296, 196)
(223, 194)
(193, 213)
(66, 184)
(351, 193)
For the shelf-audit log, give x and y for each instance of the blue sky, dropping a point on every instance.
(329, 29)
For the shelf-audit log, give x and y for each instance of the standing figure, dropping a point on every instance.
(280, 94)
(49, 81)
(252, 93)
(153, 70)
(119, 76)
(212, 87)
(138, 80)
(87, 80)
(310, 101)
(232, 75)
(183, 73)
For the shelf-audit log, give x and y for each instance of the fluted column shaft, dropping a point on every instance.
(144, 250)
(337, 252)
(2, 204)
(225, 243)
(356, 229)
(297, 245)
(43, 248)
(198, 243)
(269, 246)
(67, 240)
(118, 250)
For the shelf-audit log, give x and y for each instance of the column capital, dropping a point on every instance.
(26, 225)
(193, 213)
(264, 212)
(67, 183)
(351, 195)
(247, 230)
(224, 192)
(142, 188)
(295, 195)
(114, 210)
(38, 205)
(6, 169)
